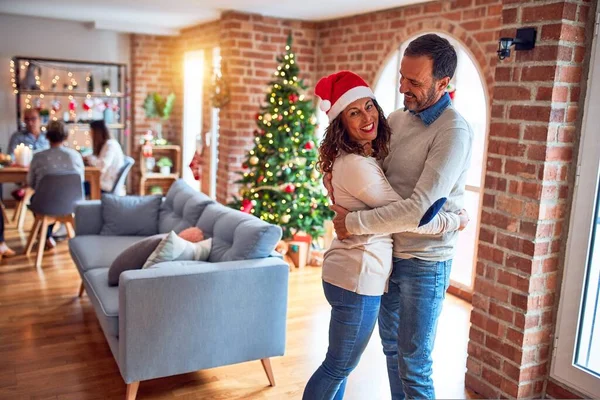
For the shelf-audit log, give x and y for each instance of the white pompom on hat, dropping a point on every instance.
(338, 90)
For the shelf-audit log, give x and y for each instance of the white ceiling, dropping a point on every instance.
(168, 17)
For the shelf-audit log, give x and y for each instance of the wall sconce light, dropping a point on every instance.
(524, 40)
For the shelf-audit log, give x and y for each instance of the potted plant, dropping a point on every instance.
(160, 108)
(44, 116)
(165, 165)
(156, 190)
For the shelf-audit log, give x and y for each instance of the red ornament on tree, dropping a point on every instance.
(289, 188)
(280, 117)
(260, 179)
(451, 90)
(244, 165)
(309, 145)
(246, 206)
(293, 98)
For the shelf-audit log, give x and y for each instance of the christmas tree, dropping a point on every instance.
(280, 183)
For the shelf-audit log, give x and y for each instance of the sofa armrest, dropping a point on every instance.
(88, 217)
(187, 316)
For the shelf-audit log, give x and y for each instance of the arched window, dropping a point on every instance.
(470, 100)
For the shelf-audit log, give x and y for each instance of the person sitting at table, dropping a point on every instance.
(57, 159)
(31, 136)
(107, 156)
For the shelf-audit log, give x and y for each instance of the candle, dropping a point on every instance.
(23, 155)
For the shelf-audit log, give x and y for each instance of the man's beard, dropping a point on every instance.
(428, 101)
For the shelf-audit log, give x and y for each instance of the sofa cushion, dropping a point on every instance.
(236, 235)
(174, 248)
(105, 299)
(133, 257)
(193, 234)
(182, 208)
(130, 215)
(94, 251)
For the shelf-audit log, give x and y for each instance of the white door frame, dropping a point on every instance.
(192, 118)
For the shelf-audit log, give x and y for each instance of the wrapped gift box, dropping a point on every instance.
(299, 252)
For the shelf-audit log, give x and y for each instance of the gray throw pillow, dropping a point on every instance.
(133, 257)
(130, 215)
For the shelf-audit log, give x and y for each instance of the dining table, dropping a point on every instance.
(16, 174)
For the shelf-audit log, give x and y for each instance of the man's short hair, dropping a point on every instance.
(56, 132)
(439, 50)
(31, 111)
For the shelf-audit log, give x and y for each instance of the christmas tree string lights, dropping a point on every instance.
(280, 183)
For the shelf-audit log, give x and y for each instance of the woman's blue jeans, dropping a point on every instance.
(353, 318)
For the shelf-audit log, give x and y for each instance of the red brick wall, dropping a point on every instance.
(528, 186)
(157, 65)
(364, 43)
(249, 47)
(152, 70)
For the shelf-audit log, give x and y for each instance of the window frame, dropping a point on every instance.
(583, 219)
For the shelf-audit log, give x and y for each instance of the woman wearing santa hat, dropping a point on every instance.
(356, 269)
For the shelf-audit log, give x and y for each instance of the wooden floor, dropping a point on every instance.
(52, 347)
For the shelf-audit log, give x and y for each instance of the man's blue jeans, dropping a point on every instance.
(353, 318)
(407, 324)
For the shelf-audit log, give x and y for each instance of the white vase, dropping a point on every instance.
(165, 170)
(158, 129)
(150, 163)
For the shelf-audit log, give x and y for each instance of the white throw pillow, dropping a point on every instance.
(174, 248)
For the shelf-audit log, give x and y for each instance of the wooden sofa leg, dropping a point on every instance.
(81, 289)
(132, 389)
(266, 363)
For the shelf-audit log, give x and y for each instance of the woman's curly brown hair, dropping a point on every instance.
(338, 139)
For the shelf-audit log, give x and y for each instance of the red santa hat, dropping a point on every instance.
(338, 90)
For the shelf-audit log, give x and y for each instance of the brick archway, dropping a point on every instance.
(446, 27)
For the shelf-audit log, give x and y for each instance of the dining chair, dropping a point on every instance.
(53, 201)
(122, 176)
(21, 209)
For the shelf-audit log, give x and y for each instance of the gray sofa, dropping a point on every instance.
(186, 316)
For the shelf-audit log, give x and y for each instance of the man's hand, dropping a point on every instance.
(464, 219)
(339, 221)
(328, 186)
